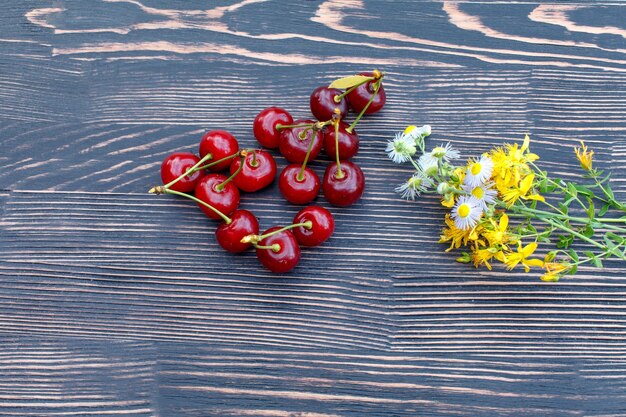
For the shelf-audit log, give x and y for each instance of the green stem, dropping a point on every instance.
(254, 239)
(582, 220)
(339, 175)
(189, 171)
(254, 163)
(197, 200)
(300, 176)
(274, 248)
(573, 232)
(338, 97)
(280, 127)
(219, 187)
(376, 88)
(207, 166)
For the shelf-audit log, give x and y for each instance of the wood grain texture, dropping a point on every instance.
(115, 302)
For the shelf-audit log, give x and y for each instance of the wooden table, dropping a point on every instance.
(116, 302)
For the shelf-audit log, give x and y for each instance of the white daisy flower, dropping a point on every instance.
(428, 165)
(445, 152)
(466, 212)
(414, 186)
(483, 193)
(414, 133)
(400, 149)
(479, 171)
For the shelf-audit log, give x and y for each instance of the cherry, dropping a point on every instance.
(294, 148)
(348, 142)
(229, 235)
(279, 252)
(322, 227)
(264, 126)
(298, 190)
(176, 165)
(225, 200)
(360, 96)
(258, 171)
(220, 144)
(343, 191)
(323, 103)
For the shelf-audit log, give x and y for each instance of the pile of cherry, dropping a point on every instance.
(300, 142)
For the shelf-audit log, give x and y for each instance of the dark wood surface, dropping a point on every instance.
(116, 302)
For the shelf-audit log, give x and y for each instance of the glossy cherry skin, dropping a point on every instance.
(226, 200)
(294, 149)
(254, 178)
(298, 191)
(286, 258)
(323, 103)
(242, 223)
(348, 142)
(345, 191)
(220, 144)
(264, 126)
(176, 165)
(323, 226)
(359, 97)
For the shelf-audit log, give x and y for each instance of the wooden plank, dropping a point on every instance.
(76, 377)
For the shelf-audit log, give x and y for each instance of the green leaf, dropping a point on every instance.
(351, 81)
(591, 210)
(587, 231)
(573, 270)
(563, 208)
(582, 190)
(603, 210)
(597, 262)
(609, 191)
(589, 254)
(573, 255)
(571, 189)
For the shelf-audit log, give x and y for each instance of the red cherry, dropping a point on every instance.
(288, 254)
(323, 103)
(323, 226)
(348, 142)
(225, 200)
(294, 149)
(344, 191)
(253, 178)
(264, 126)
(220, 144)
(298, 191)
(359, 97)
(242, 223)
(176, 165)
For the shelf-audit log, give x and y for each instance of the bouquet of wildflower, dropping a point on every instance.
(502, 205)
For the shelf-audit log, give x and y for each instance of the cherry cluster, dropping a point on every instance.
(299, 141)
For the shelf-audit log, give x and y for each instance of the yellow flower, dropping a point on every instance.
(511, 164)
(554, 270)
(448, 202)
(584, 157)
(521, 256)
(511, 195)
(458, 237)
(482, 257)
(499, 235)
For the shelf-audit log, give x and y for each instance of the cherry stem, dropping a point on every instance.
(226, 158)
(300, 176)
(274, 248)
(376, 88)
(303, 135)
(337, 99)
(224, 217)
(280, 127)
(254, 239)
(190, 170)
(242, 158)
(339, 174)
(254, 162)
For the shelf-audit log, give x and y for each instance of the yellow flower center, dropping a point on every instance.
(415, 182)
(409, 129)
(476, 168)
(438, 152)
(464, 210)
(478, 192)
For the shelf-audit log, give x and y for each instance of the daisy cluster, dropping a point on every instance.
(481, 191)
